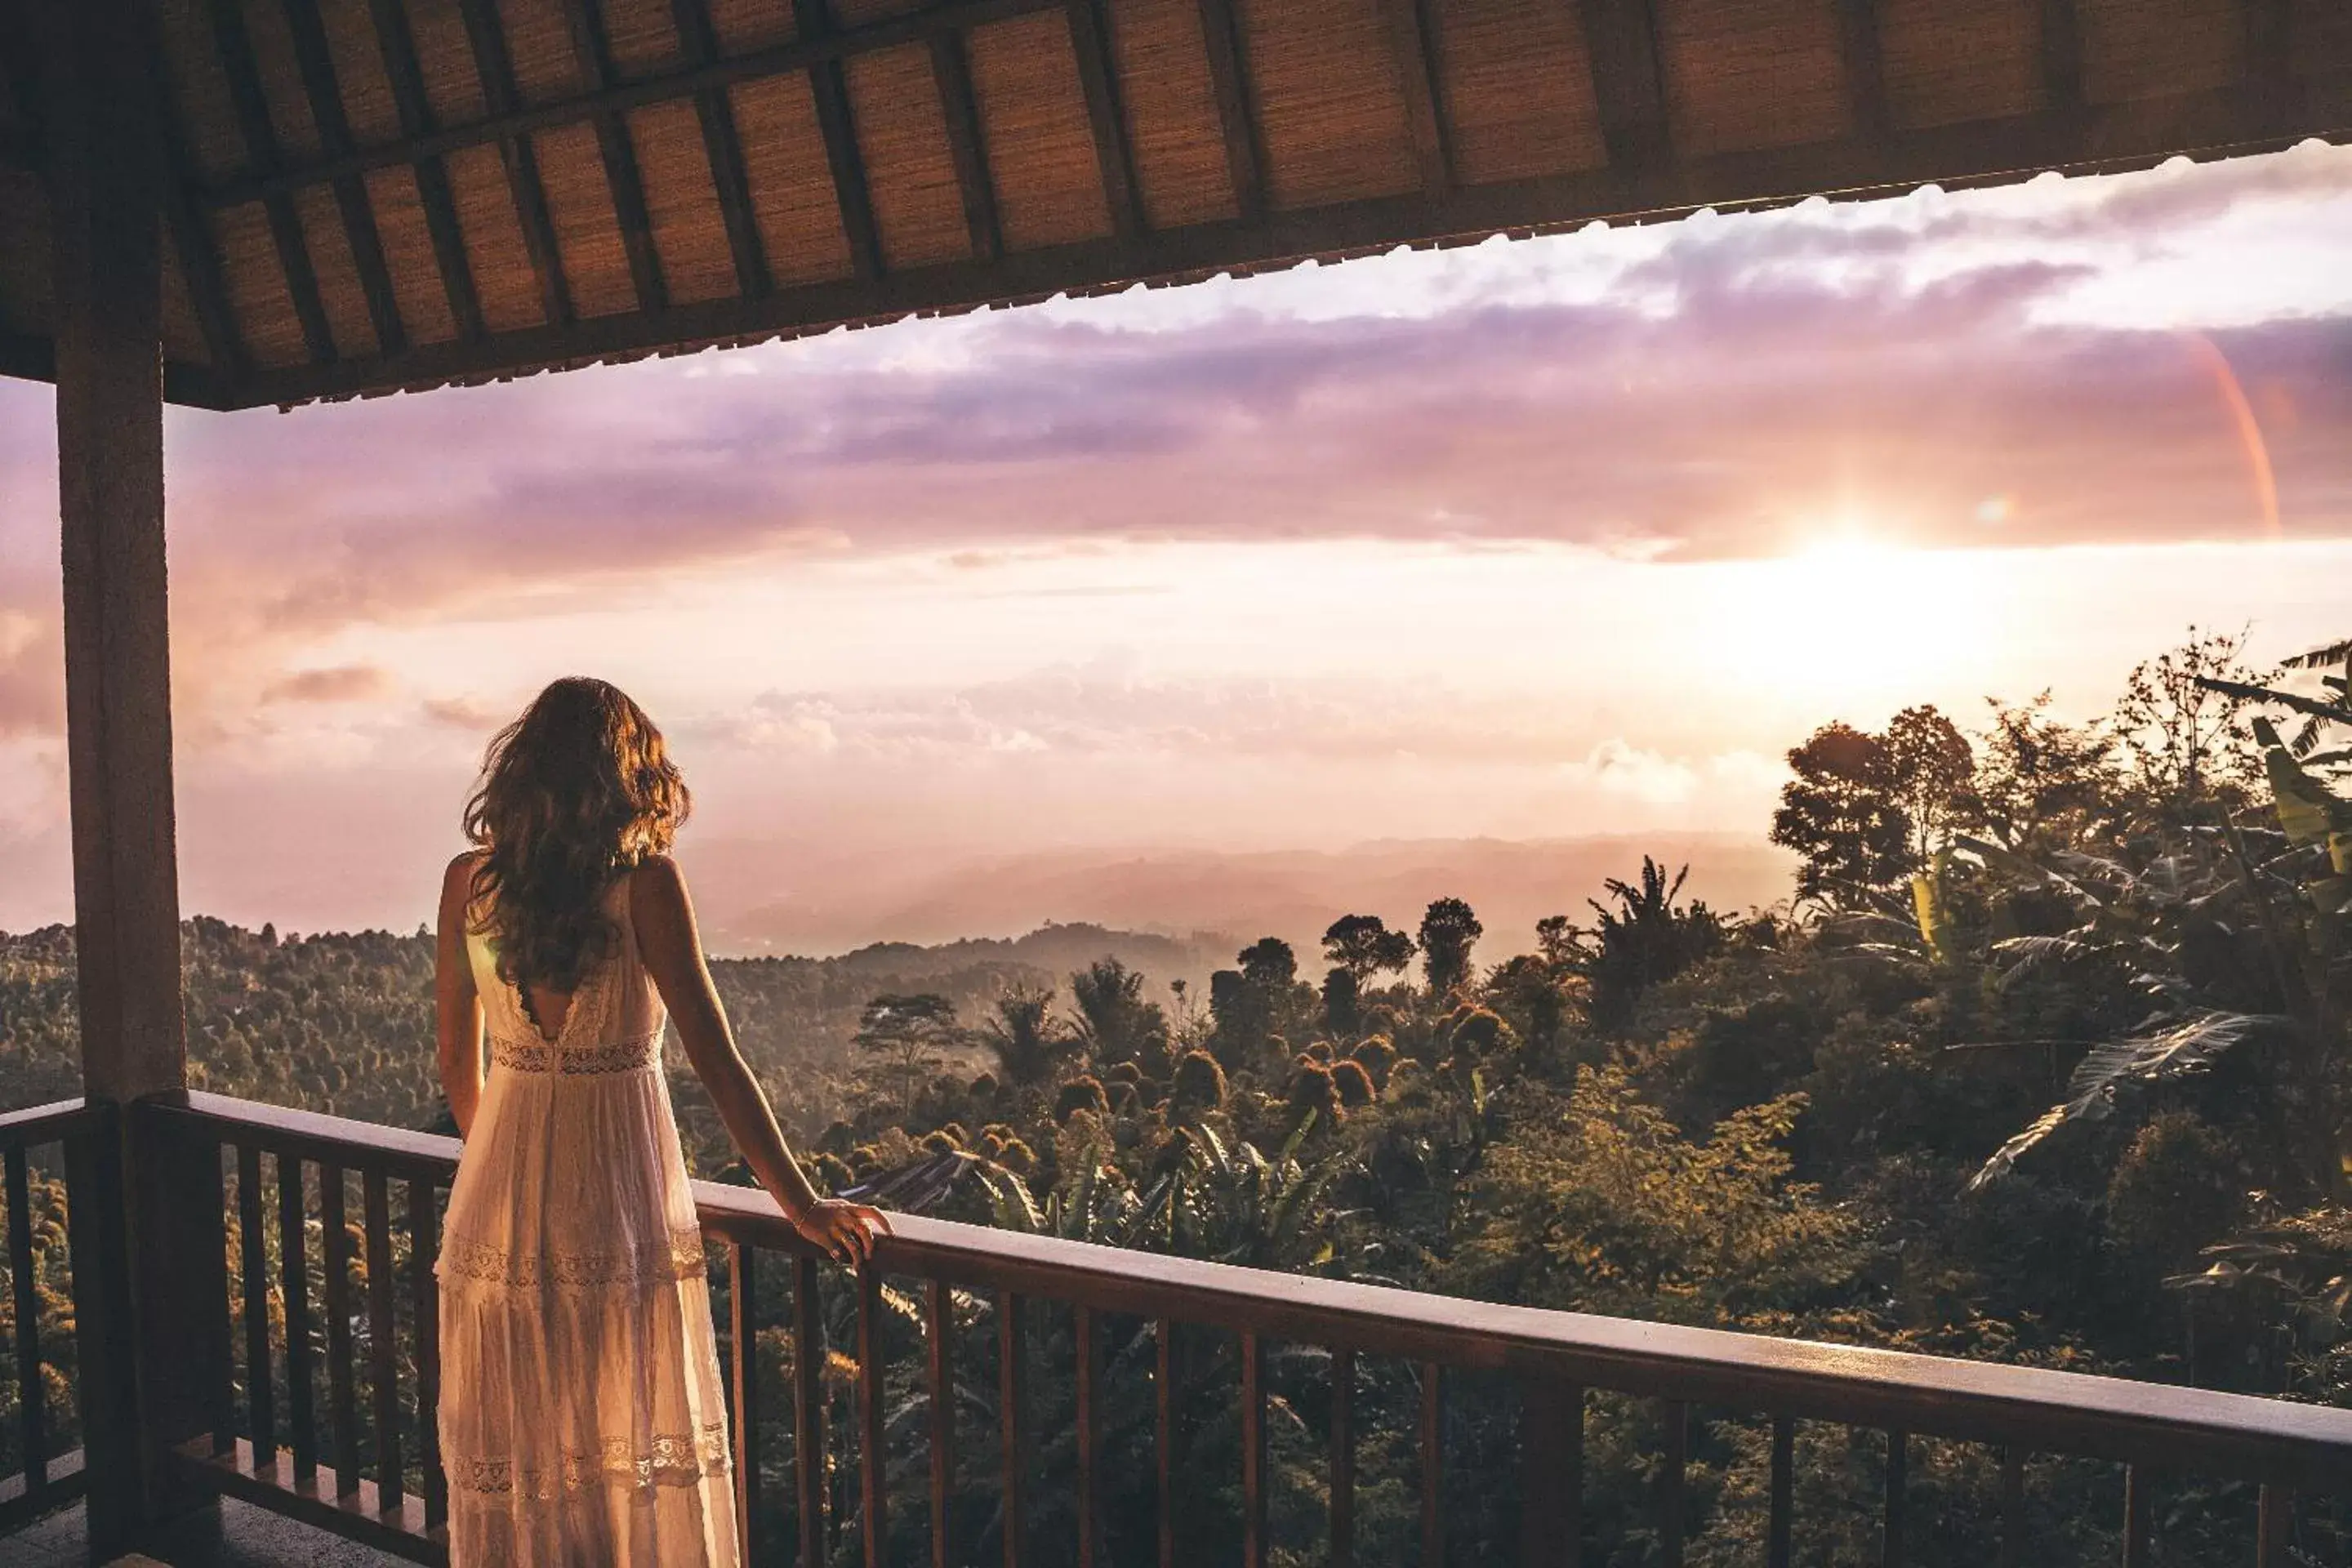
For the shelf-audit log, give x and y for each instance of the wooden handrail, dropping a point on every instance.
(2306, 1447)
(59, 1118)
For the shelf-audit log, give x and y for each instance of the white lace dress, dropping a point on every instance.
(582, 1423)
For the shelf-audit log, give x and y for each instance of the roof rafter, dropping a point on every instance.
(397, 45)
(1976, 152)
(1229, 78)
(1099, 78)
(592, 52)
(317, 64)
(967, 140)
(829, 81)
(697, 36)
(510, 119)
(1865, 66)
(236, 47)
(1412, 29)
(485, 36)
(2062, 60)
(2270, 58)
(1628, 82)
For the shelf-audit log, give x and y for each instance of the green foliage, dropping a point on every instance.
(1606, 1207)
(1449, 928)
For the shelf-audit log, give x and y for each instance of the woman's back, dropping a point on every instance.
(573, 1302)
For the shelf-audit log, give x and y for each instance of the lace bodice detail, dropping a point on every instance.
(614, 1021)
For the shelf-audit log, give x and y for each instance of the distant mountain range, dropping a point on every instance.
(769, 898)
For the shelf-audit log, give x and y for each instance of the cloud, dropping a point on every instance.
(1726, 386)
(341, 683)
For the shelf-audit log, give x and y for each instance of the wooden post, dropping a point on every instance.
(170, 1309)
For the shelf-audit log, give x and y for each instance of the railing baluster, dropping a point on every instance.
(939, 1335)
(261, 1402)
(294, 1279)
(383, 1338)
(808, 1410)
(1012, 1425)
(2138, 1522)
(341, 1401)
(1780, 1526)
(32, 1392)
(873, 1459)
(1670, 1499)
(1343, 1459)
(2012, 1508)
(1089, 1437)
(423, 1247)
(1432, 1465)
(1163, 1400)
(1898, 1486)
(1253, 1452)
(1552, 1475)
(743, 1359)
(2274, 1521)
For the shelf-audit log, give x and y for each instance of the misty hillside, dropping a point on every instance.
(774, 897)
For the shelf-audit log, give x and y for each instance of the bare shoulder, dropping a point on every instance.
(658, 879)
(657, 897)
(457, 880)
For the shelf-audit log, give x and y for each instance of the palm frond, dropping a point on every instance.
(2335, 653)
(2176, 1050)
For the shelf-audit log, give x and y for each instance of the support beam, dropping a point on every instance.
(593, 55)
(2062, 61)
(952, 70)
(828, 79)
(159, 1244)
(486, 38)
(722, 143)
(1866, 67)
(1114, 154)
(315, 62)
(1412, 30)
(397, 44)
(1620, 37)
(1221, 30)
(236, 47)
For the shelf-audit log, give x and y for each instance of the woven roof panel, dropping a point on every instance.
(383, 193)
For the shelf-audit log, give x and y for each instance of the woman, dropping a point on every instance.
(581, 1419)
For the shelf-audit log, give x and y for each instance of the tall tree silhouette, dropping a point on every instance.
(1449, 930)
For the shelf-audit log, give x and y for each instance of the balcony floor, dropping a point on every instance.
(249, 1538)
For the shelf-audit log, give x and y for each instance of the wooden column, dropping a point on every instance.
(166, 1310)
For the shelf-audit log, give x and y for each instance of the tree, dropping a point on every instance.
(1025, 1037)
(909, 1035)
(1842, 814)
(1647, 939)
(1115, 1023)
(1269, 963)
(1931, 766)
(1449, 928)
(1343, 1017)
(2040, 781)
(1364, 946)
(2182, 735)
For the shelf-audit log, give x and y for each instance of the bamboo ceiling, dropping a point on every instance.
(376, 195)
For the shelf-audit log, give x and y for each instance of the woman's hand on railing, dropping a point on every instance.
(846, 1230)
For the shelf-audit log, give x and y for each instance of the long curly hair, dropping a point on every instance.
(571, 795)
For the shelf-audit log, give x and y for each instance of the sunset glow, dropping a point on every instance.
(1523, 541)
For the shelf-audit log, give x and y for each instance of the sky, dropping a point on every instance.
(1529, 540)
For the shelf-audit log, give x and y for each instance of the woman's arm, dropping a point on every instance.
(456, 1010)
(672, 950)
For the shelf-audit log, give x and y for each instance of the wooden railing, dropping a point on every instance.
(46, 1472)
(307, 1292)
